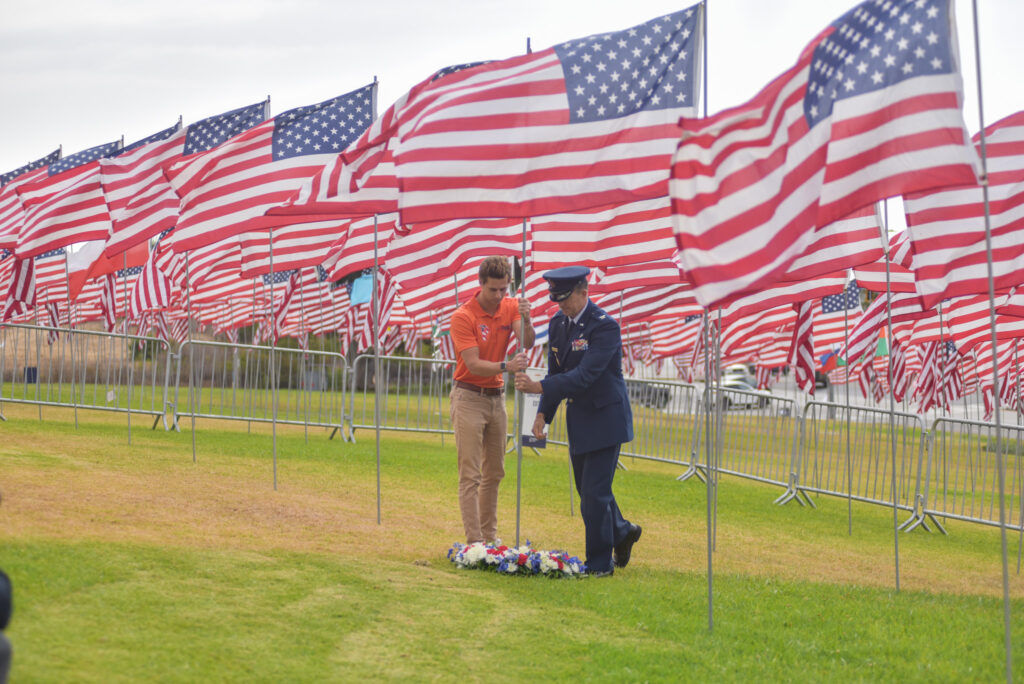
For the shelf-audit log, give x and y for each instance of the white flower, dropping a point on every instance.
(547, 563)
(474, 553)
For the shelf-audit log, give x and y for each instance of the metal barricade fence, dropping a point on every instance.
(663, 422)
(961, 481)
(415, 397)
(754, 434)
(236, 382)
(85, 369)
(847, 451)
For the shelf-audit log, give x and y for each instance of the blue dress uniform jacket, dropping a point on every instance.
(585, 369)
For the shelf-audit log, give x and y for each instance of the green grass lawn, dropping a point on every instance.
(132, 563)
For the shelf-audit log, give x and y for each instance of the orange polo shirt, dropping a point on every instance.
(474, 327)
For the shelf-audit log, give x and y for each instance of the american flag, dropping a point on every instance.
(606, 236)
(864, 335)
(333, 192)
(21, 295)
(142, 202)
(868, 383)
(438, 249)
(11, 213)
(970, 322)
(153, 289)
(51, 279)
(847, 243)
(839, 313)
(586, 123)
(281, 312)
(226, 190)
(737, 332)
(179, 330)
(952, 379)
(947, 228)
(783, 293)
(299, 245)
(53, 320)
(81, 212)
(50, 203)
(353, 250)
(928, 382)
(872, 276)
(898, 364)
(801, 355)
(870, 110)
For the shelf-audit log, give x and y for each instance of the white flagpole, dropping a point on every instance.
(520, 404)
(273, 366)
(375, 312)
(892, 401)
(70, 337)
(191, 354)
(1000, 462)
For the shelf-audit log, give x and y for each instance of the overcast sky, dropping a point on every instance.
(79, 74)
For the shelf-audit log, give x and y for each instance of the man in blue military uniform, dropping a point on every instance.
(585, 369)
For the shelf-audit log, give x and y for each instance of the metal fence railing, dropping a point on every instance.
(961, 479)
(415, 397)
(82, 369)
(753, 434)
(848, 451)
(663, 424)
(237, 382)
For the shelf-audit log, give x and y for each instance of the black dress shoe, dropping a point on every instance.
(602, 573)
(625, 547)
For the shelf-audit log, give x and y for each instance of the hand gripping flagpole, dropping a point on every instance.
(1000, 461)
(519, 395)
(520, 404)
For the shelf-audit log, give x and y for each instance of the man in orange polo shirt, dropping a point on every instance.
(480, 330)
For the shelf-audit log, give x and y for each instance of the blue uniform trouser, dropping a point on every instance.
(605, 526)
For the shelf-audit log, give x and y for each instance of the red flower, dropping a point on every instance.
(522, 559)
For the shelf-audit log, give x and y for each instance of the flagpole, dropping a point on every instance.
(191, 354)
(273, 364)
(131, 347)
(884, 226)
(1000, 463)
(849, 419)
(707, 461)
(520, 404)
(707, 355)
(304, 381)
(374, 311)
(70, 337)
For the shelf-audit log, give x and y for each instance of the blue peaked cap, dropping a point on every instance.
(561, 281)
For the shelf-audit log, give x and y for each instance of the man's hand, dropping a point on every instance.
(524, 383)
(524, 309)
(518, 362)
(538, 426)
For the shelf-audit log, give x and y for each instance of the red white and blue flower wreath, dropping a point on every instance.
(511, 560)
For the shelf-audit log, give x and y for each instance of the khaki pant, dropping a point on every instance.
(480, 426)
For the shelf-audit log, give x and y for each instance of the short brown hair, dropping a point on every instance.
(495, 267)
